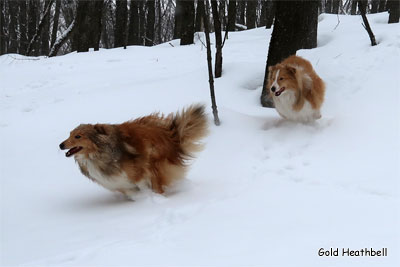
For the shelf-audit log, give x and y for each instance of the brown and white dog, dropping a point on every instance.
(149, 152)
(297, 91)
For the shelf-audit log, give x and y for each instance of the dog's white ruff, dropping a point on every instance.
(112, 182)
(284, 106)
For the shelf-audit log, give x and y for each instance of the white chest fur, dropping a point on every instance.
(284, 106)
(111, 182)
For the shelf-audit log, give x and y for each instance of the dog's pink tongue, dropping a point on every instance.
(72, 151)
(278, 93)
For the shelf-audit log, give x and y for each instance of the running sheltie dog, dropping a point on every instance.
(297, 91)
(150, 152)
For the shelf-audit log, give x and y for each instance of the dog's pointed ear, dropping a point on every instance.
(100, 129)
(291, 70)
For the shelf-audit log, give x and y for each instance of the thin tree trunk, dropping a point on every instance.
(151, 20)
(40, 27)
(209, 64)
(362, 7)
(55, 22)
(199, 12)
(63, 39)
(270, 10)
(142, 27)
(251, 14)
(81, 40)
(2, 33)
(231, 15)
(242, 12)
(218, 39)
(263, 15)
(160, 22)
(45, 34)
(134, 24)
(32, 21)
(96, 27)
(12, 27)
(394, 11)
(105, 18)
(187, 28)
(23, 38)
(374, 6)
(335, 6)
(353, 10)
(328, 6)
(382, 6)
(222, 13)
(120, 23)
(178, 19)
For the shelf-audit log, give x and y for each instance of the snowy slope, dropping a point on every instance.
(263, 192)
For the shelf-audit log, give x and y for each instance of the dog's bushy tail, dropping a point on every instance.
(190, 125)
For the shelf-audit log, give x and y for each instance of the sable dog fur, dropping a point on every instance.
(151, 151)
(296, 89)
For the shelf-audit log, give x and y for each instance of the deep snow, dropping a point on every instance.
(263, 192)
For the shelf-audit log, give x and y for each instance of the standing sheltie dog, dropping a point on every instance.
(150, 152)
(297, 91)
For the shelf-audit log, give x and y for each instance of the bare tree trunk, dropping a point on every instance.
(151, 20)
(209, 64)
(160, 22)
(81, 41)
(222, 14)
(55, 22)
(23, 37)
(328, 6)
(242, 13)
(45, 34)
(295, 28)
(187, 26)
(32, 20)
(120, 23)
(394, 11)
(178, 19)
(382, 6)
(134, 24)
(63, 39)
(251, 14)
(231, 15)
(263, 15)
(106, 24)
(3, 42)
(374, 6)
(270, 13)
(142, 26)
(96, 27)
(362, 7)
(199, 14)
(353, 7)
(218, 39)
(12, 27)
(335, 6)
(39, 29)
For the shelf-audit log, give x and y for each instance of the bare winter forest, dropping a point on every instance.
(57, 27)
(264, 191)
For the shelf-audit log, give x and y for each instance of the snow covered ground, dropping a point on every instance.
(263, 192)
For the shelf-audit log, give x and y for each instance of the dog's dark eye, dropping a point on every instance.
(281, 78)
(77, 136)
